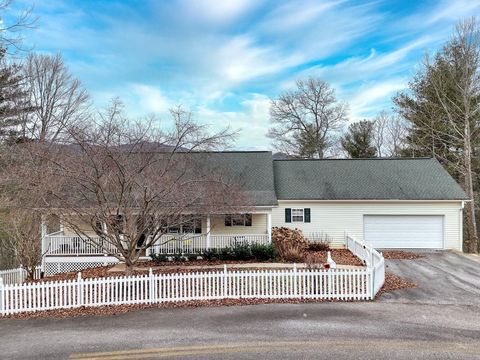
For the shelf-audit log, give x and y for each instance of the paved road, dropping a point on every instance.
(406, 325)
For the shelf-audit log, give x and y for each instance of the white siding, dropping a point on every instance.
(336, 218)
(259, 226)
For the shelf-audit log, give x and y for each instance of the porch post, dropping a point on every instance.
(269, 226)
(43, 234)
(209, 243)
(62, 226)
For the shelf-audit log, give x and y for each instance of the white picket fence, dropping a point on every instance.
(372, 258)
(18, 275)
(340, 284)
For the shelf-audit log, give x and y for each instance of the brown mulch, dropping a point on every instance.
(151, 264)
(401, 255)
(394, 282)
(340, 256)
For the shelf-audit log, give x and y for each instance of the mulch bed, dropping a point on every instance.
(340, 256)
(401, 255)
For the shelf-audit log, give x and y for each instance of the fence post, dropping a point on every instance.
(80, 290)
(295, 290)
(225, 279)
(151, 284)
(330, 281)
(2, 289)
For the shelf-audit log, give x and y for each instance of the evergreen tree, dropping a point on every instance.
(13, 100)
(358, 141)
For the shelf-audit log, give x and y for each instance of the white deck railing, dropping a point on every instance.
(340, 284)
(198, 243)
(167, 244)
(76, 245)
(372, 259)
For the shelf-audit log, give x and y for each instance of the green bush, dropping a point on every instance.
(192, 257)
(178, 257)
(158, 258)
(241, 252)
(263, 252)
(226, 254)
(211, 254)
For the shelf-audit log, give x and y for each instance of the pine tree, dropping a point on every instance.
(358, 141)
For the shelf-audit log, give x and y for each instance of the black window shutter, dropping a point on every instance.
(306, 215)
(288, 215)
(228, 220)
(248, 219)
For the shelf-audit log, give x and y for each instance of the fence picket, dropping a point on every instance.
(344, 284)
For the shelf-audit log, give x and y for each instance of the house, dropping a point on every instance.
(388, 203)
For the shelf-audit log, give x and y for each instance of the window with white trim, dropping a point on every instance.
(297, 215)
(238, 220)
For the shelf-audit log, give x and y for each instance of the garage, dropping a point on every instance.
(403, 231)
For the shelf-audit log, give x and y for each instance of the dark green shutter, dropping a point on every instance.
(288, 215)
(228, 220)
(248, 219)
(306, 215)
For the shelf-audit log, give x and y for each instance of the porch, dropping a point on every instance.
(212, 232)
(68, 245)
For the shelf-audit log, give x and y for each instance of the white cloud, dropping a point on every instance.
(218, 12)
(150, 99)
(373, 97)
(252, 121)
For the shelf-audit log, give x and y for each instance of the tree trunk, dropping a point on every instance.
(471, 240)
(129, 267)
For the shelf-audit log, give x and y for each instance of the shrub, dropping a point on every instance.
(322, 245)
(158, 258)
(263, 252)
(226, 254)
(289, 244)
(211, 254)
(313, 262)
(293, 254)
(178, 257)
(241, 252)
(192, 257)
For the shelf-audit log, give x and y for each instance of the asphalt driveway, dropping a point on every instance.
(438, 320)
(443, 277)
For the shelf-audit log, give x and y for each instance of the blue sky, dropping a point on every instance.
(225, 59)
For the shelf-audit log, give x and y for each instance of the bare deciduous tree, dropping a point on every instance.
(11, 31)
(57, 98)
(389, 134)
(22, 228)
(304, 121)
(128, 180)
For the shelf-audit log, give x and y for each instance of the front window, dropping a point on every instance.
(238, 220)
(297, 215)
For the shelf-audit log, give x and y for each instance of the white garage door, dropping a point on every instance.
(403, 231)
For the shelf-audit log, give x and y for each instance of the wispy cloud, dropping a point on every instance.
(226, 59)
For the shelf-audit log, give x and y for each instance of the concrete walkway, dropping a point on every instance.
(267, 266)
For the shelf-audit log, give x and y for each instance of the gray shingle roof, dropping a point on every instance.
(369, 179)
(252, 170)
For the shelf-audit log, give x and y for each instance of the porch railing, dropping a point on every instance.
(197, 243)
(166, 244)
(76, 245)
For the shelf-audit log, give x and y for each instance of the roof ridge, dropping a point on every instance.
(356, 159)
